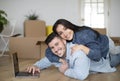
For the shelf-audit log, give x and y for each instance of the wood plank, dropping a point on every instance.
(50, 74)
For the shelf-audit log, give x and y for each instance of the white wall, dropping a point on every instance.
(48, 10)
(51, 10)
(114, 26)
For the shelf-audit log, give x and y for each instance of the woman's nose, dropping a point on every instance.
(64, 34)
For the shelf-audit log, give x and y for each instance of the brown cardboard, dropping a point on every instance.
(26, 47)
(43, 48)
(116, 40)
(34, 28)
(101, 30)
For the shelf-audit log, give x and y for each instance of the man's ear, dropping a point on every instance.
(64, 41)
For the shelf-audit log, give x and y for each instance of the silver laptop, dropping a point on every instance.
(18, 73)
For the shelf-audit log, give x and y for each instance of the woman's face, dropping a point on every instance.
(64, 32)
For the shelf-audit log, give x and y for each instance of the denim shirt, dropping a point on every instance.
(99, 47)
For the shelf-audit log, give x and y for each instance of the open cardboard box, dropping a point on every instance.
(27, 47)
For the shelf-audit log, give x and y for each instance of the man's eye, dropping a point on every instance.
(51, 47)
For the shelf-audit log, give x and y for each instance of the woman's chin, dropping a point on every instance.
(60, 55)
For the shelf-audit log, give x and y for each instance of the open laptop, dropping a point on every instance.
(18, 73)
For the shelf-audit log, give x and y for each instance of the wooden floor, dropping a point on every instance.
(51, 74)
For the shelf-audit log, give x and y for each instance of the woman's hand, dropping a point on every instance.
(64, 66)
(80, 47)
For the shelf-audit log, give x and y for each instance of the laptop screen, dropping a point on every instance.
(16, 68)
(15, 62)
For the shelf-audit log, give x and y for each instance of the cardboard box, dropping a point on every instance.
(43, 49)
(34, 28)
(116, 40)
(101, 30)
(26, 47)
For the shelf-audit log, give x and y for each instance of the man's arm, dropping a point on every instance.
(41, 64)
(79, 66)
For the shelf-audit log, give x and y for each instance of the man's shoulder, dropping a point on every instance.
(70, 44)
(79, 54)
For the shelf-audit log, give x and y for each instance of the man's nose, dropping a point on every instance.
(56, 50)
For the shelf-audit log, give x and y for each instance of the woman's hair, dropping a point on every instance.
(71, 26)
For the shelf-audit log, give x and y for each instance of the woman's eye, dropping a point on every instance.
(65, 28)
(60, 33)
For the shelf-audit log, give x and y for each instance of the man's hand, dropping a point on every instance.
(64, 66)
(33, 69)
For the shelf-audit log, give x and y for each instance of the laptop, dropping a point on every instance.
(19, 73)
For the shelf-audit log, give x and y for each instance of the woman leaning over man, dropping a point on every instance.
(94, 44)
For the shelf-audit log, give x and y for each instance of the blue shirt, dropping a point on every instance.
(99, 46)
(78, 64)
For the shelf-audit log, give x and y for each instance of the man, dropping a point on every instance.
(76, 65)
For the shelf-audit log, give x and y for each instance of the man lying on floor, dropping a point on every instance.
(75, 65)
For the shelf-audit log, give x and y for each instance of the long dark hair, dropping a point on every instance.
(71, 26)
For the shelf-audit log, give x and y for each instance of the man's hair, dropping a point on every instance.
(50, 37)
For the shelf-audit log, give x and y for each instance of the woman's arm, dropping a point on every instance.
(80, 47)
(92, 47)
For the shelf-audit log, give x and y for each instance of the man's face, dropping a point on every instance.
(57, 46)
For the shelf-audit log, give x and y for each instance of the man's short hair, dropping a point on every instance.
(50, 37)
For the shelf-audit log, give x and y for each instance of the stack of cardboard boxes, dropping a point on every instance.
(32, 45)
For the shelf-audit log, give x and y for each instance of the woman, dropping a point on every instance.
(94, 44)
